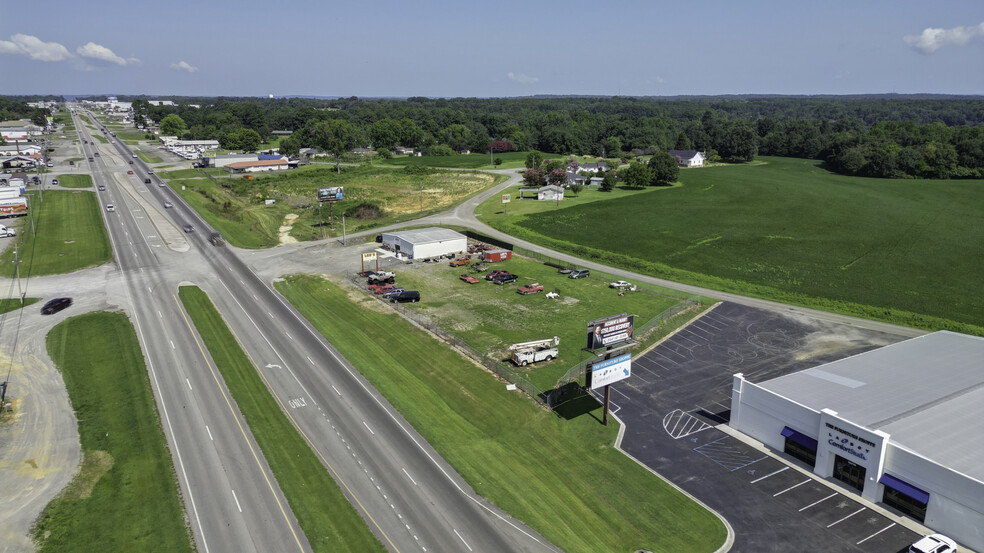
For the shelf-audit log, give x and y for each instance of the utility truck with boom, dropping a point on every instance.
(538, 350)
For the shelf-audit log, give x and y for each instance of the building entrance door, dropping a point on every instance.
(849, 472)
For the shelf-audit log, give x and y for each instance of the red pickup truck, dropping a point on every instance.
(530, 288)
(469, 279)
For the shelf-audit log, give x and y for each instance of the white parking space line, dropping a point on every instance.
(847, 517)
(818, 502)
(462, 539)
(777, 494)
(875, 534)
(620, 393)
(783, 469)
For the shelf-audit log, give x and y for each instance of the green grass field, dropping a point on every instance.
(75, 181)
(70, 236)
(510, 160)
(12, 304)
(147, 158)
(235, 206)
(325, 515)
(560, 476)
(125, 496)
(101, 138)
(489, 317)
(904, 251)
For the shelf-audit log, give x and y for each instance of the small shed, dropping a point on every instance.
(550, 192)
(425, 243)
(492, 256)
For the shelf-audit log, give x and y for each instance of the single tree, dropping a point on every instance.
(576, 188)
(664, 168)
(335, 136)
(683, 143)
(534, 159)
(636, 175)
(534, 178)
(609, 181)
(557, 177)
(39, 117)
(172, 125)
(497, 161)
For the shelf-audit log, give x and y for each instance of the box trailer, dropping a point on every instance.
(10, 192)
(13, 207)
(491, 256)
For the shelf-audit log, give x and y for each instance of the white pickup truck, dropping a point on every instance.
(7, 232)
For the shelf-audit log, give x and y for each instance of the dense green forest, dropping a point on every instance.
(13, 108)
(918, 136)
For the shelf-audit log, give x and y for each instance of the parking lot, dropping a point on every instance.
(680, 391)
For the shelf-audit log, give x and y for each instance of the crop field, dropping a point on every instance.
(905, 251)
(235, 206)
(490, 317)
(559, 475)
(70, 236)
(125, 461)
(75, 181)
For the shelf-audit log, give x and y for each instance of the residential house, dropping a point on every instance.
(574, 178)
(599, 167)
(688, 158)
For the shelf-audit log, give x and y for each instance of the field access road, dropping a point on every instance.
(233, 502)
(410, 497)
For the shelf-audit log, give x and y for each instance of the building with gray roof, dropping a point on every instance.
(425, 243)
(902, 425)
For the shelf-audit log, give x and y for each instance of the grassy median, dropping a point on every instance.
(560, 476)
(125, 495)
(328, 520)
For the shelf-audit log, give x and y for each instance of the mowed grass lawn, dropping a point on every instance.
(75, 181)
(510, 160)
(147, 158)
(328, 520)
(490, 317)
(905, 251)
(70, 236)
(235, 205)
(125, 496)
(562, 477)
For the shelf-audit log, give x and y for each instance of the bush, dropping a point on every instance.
(384, 153)
(418, 170)
(439, 150)
(367, 211)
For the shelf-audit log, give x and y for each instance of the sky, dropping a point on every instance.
(505, 48)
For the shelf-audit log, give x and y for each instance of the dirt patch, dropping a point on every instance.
(283, 232)
(94, 465)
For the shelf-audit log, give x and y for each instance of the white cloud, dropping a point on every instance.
(34, 48)
(932, 39)
(184, 66)
(522, 78)
(99, 52)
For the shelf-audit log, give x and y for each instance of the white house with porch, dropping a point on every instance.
(688, 158)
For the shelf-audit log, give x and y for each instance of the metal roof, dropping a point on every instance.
(428, 235)
(927, 393)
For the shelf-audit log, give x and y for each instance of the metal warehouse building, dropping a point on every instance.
(425, 243)
(902, 425)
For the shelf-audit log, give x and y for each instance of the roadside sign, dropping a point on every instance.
(371, 256)
(610, 371)
(506, 198)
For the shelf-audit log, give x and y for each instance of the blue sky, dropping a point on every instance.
(504, 48)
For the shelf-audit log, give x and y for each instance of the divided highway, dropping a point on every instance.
(410, 497)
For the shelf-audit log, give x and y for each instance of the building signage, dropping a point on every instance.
(607, 332)
(851, 443)
(371, 256)
(610, 371)
(330, 194)
(506, 198)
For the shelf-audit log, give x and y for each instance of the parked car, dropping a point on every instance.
(55, 305)
(380, 289)
(619, 284)
(406, 296)
(579, 273)
(469, 279)
(495, 274)
(564, 270)
(935, 543)
(393, 292)
(530, 288)
(54, 181)
(505, 279)
(460, 261)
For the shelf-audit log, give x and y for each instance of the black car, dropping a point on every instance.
(189, 228)
(505, 279)
(406, 296)
(55, 305)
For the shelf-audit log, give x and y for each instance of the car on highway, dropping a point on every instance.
(189, 228)
(131, 161)
(934, 543)
(168, 204)
(147, 181)
(102, 187)
(134, 155)
(129, 172)
(110, 207)
(55, 305)
(150, 172)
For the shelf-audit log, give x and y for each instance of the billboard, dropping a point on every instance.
(371, 256)
(607, 332)
(331, 194)
(610, 371)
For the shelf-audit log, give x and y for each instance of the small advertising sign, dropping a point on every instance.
(371, 256)
(610, 371)
(607, 332)
(506, 198)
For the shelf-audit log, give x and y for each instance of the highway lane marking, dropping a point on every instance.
(875, 534)
(410, 477)
(159, 314)
(238, 506)
(310, 360)
(172, 344)
(459, 537)
(209, 433)
(770, 474)
(337, 392)
(369, 429)
(847, 517)
(818, 501)
(288, 335)
(790, 488)
(189, 383)
(239, 424)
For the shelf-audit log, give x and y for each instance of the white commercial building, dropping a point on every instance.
(901, 425)
(426, 243)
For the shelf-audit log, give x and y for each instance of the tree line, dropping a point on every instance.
(919, 136)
